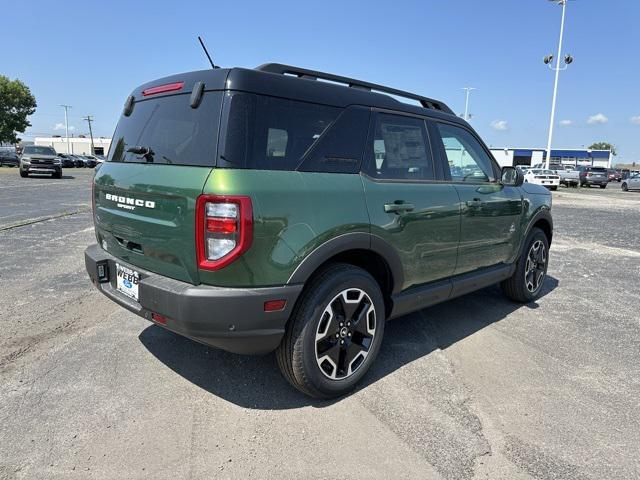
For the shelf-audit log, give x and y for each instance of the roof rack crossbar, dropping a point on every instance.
(351, 82)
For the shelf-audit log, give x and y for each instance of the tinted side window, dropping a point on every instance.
(340, 149)
(467, 160)
(174, 132)
(268, 133)
(400, 149)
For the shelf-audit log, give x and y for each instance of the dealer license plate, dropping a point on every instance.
(127, 281)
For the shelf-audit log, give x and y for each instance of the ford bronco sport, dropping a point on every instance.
(285, 209)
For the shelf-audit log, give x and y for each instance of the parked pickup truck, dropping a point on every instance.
(569, 177)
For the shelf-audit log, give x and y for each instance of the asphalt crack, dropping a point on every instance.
(31, 221)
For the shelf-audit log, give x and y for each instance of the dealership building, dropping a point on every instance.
(534, 156)
(77, 145)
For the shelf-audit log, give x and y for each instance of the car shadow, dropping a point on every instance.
(256, 382)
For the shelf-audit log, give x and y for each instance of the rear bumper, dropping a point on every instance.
(232, 319)
(595, 181)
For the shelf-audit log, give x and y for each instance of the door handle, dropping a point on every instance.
(476, 202)
(398, 207)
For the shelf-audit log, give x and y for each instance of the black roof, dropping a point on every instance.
(306, 85)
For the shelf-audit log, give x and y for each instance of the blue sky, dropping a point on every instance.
(92, 54)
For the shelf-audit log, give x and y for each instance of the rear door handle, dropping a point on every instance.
(398, 207)
(476, 202)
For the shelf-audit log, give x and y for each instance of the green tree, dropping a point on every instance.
(16, 104)
(604, 146)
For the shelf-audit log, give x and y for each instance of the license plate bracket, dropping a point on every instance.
(127, 281)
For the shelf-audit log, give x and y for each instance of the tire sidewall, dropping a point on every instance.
(325, 292)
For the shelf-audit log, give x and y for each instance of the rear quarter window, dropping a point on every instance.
(269, 133)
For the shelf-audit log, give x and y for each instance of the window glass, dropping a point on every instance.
(400, 149)
(468, 161)
(269, 133)
(36, 150)
(172, 131)
(340, 148)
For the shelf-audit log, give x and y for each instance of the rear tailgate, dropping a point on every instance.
(146, 215)
(162, 152)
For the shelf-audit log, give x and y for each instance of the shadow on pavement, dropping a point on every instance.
(256, 382)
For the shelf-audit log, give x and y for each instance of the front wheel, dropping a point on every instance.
(603, 186)
(24, 174)
(526, 282)
(334, 333)
(625, 187)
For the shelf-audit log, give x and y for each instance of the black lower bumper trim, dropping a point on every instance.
(232, 319)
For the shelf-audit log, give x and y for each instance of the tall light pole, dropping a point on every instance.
(557, 68)
(466, 102)
(66, 125)
(89, 119)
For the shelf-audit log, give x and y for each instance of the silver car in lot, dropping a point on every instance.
(40, 160)
(631, 183)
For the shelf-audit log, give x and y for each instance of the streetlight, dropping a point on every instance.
(548, 60)
(466, 102)
(66, 125)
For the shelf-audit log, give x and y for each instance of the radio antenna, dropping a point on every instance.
(206, 52)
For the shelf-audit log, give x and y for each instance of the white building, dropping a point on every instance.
(77, 145)
(533, 156)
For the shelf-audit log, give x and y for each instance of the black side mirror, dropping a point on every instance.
(511, 176)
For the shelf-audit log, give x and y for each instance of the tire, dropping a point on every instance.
(625, 187)
(57, 175)
(603, 186)
(517, 287)
(320, 328)
(24, 174)
(553, 188)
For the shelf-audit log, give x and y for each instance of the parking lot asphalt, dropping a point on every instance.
(477, 387)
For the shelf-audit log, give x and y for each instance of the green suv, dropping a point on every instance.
(286, 209)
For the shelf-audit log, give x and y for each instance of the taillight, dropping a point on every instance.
(93, 196)
(224, 229)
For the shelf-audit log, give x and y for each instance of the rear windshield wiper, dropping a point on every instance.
(144, 152)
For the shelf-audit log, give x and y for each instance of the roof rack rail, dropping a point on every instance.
(351, 82)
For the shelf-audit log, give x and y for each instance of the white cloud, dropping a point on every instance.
(60, 126)
(500, 125)
(635, 119)
(597, 118)
(566, 123)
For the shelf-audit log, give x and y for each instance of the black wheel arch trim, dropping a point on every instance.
(542, 214)
(346, 242)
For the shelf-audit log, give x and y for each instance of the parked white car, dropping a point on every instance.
(546, 178)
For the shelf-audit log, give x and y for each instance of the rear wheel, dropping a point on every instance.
(334, 333)
(531, 269)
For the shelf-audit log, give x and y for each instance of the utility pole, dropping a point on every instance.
(89, 119)
(466, 102)
(548, 60)
(66, 125)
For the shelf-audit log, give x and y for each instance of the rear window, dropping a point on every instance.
(35, 150)
(170, 130)
(268, 133)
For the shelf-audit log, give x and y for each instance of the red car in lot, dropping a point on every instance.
(614, 175)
